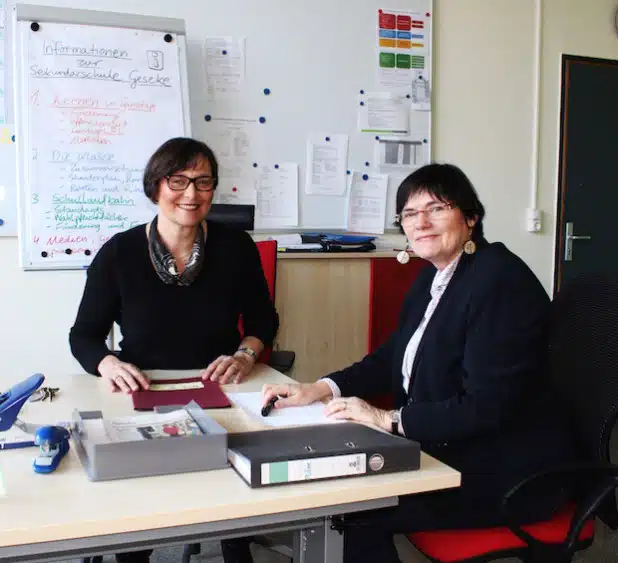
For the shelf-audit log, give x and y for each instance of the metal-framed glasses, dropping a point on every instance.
(179, 183)
(433, 212)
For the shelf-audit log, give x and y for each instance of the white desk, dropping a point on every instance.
(63, 515)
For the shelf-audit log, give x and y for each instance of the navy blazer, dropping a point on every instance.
(479, 396)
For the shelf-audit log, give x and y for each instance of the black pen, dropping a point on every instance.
(269, 406)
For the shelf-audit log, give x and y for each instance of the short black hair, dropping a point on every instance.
(447, 183)
(173, 156)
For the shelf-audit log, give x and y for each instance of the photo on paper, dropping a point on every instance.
(169, 430)
(175, 424)
(398, 154)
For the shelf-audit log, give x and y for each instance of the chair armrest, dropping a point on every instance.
(282, 360)
(593, 482)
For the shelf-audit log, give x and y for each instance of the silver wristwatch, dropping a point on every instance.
(248, 351)
(395, 420)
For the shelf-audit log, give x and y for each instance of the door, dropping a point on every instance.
(587, 214)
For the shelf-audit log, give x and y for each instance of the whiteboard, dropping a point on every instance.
(8, 183)
(313, 58)
(96, 93)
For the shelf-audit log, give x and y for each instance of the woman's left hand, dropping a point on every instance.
(228, 369)
(357, 410)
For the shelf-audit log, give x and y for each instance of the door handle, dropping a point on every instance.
(569, 237)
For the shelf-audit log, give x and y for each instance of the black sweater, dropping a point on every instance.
(169, 326)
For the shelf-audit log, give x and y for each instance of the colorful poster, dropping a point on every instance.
(403, 54)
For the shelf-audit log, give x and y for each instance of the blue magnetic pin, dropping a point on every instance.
(53, 442)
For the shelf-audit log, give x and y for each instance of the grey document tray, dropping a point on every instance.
(143, 458)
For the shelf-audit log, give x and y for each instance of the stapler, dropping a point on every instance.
(13, 400)
(53, 442)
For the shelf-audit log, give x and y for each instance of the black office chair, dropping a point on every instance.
(584, 369)
(239, 216)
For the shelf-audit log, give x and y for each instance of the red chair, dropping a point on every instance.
(584, 366)
(388, 285)
(281, 360)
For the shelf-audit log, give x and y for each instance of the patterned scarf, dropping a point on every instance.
(164, 263)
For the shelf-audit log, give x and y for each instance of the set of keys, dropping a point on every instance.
(44, 393)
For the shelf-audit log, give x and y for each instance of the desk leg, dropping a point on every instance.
(317, 545)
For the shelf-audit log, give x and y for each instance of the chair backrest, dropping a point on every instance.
(584, 359)
(268, 257)
(239, 216)
(388, 284)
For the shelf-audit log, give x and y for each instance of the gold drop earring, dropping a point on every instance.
(402, 256)
(469, 247)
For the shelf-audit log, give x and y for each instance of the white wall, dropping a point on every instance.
(483, 122)
(483, 104)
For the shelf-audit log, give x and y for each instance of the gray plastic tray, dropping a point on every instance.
(143, 458)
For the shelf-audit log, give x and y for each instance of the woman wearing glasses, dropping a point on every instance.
(467, 367)
(177, 285)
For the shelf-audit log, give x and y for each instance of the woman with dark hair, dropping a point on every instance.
(467, 366)
(176, 287)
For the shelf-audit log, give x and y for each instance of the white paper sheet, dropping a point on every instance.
(327, 158)
(238, 190)
(383, 112)
(277, 196)
(225, 66)
(367, 202)
(292, 416)
(284, 240)
(235, 141)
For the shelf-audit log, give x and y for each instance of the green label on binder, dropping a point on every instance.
(279, 472)
(313, 468)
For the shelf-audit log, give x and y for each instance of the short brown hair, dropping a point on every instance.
(173, 156)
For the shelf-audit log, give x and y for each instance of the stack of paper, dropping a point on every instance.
(309, 415)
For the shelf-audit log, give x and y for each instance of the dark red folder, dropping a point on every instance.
(208, 397)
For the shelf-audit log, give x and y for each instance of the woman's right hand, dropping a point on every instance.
(296, 394)
(122, 376)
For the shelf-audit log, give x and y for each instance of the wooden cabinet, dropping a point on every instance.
(324, 303)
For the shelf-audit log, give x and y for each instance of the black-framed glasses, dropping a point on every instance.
(179, 183)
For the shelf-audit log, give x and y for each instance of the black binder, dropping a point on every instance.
(310, 453)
